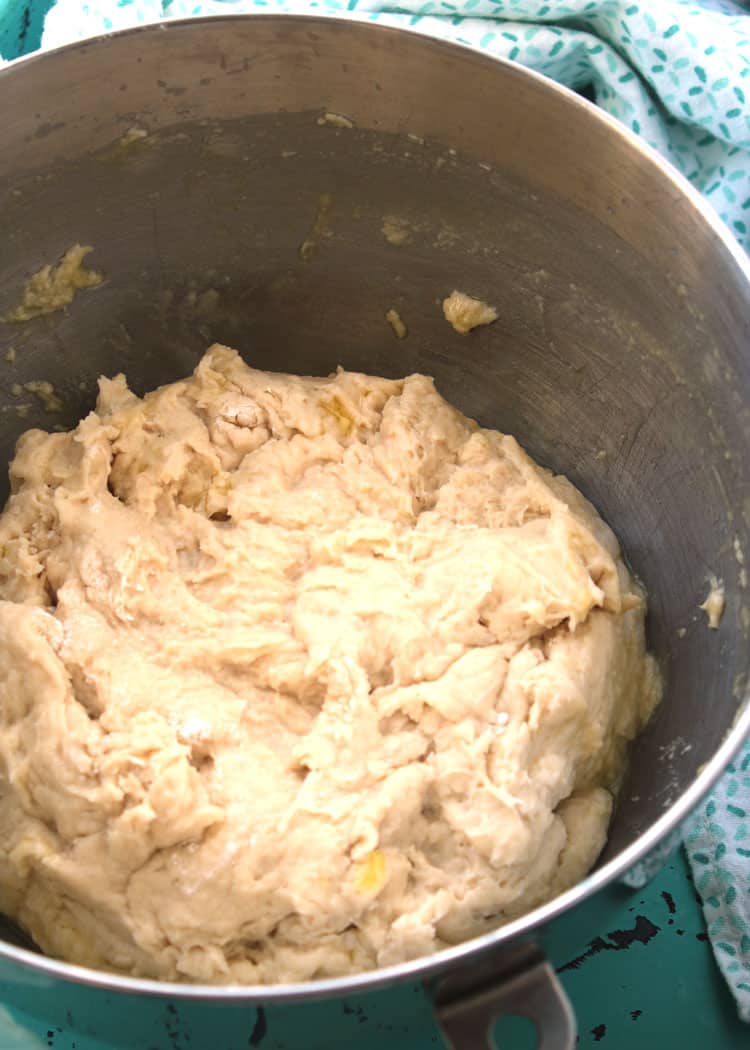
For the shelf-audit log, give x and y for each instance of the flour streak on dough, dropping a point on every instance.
(300, 677)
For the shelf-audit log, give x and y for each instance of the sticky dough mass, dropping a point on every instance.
(300, 677)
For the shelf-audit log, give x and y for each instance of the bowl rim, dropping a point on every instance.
(45, 968)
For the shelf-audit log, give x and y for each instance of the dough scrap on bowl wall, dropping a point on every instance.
(300, 677)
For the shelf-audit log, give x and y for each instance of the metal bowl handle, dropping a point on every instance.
(521, 981)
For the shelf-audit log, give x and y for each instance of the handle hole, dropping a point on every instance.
(515, 1032)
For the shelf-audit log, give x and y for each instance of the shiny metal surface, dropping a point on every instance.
(468, 1003)
(620, 356)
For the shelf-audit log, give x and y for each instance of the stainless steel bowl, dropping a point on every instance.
(620, 356)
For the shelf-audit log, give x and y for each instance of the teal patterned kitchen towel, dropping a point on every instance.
(717, 842)
(677, 72)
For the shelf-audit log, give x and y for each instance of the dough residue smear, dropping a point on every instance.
(54, 287)
(396, 230)
(133, 135)
(300, 677)
(321, 227)
(394, 319)
(335, 120)
(713, 606)
(43, 390)
(464, 312)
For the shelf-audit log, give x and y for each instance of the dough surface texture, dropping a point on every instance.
(300, 677)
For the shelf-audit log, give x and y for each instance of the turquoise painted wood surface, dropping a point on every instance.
(21, 23)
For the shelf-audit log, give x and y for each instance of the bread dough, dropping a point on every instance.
(300, 677)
